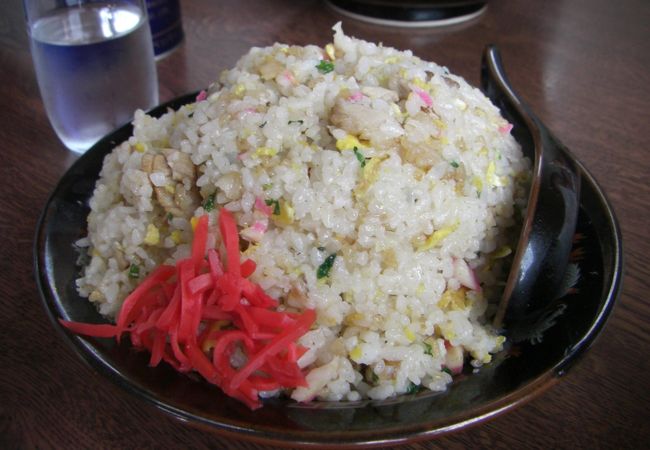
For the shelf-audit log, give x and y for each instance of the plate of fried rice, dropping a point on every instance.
(317, 242)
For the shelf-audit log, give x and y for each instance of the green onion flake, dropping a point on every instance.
(360, 157)
(275, 204)
(413, 388)
(454, 164)
(325, 66)
(208, 205)
(134, 271)
(427, 348)
(324, 269)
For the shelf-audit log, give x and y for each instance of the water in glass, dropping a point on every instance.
(95, 67)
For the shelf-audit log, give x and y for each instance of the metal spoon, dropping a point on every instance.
(540, 261)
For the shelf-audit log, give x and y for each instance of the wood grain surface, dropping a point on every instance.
(582, 65)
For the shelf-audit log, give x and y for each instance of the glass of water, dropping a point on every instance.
(94, 63)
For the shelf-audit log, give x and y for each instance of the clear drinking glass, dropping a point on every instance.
(94, 63)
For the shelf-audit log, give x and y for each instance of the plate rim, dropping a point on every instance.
(348, 438)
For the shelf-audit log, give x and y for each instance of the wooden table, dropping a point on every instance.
(583, 66)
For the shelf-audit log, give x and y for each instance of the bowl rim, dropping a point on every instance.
(349, 438)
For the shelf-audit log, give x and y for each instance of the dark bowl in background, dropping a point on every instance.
(411, 13)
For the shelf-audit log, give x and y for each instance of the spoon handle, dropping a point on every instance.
(542, 255)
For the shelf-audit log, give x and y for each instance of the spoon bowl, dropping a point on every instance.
(538, 276)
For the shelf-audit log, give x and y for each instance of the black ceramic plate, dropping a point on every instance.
(514, 376)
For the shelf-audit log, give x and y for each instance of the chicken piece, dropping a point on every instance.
(146, 163)
(118, 254)
(181, 165)
(451, 83)
(297, 296)
(421, 145)
(380, 92)
(178, 199)
(271, 68)
(317, 379)
(365, 122)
